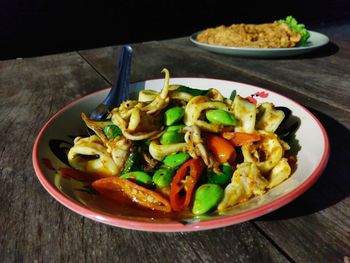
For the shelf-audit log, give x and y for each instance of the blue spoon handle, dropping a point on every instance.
(119, 91)
(120, 88)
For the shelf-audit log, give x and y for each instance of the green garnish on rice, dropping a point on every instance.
(293, 24)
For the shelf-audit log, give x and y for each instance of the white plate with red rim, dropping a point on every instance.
(315, 41)
(60, 130)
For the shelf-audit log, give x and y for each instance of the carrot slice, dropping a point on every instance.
(241, 138)
(222, 149)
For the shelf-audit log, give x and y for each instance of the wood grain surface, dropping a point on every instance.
(36, 228)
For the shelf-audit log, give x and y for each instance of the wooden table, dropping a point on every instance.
(36, 228)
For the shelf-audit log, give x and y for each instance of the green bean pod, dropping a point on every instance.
(176, 160)
(206, 198)
(221, 117)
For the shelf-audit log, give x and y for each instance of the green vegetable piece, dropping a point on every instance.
(163, 177)
(227, 169)
(220, 117)
(173, 115)
(233, 94)
(147, 143)
(171, 137)
(206, 198)
(176, 159)
(130, 162)
(176, 128)
(192, 91)
(112, 131)
(294, 26)
(223, 178)
(138, 177)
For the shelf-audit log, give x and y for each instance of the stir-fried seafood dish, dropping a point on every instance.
(184, 149)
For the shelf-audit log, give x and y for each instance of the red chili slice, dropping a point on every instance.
(182, 186)
(120, 189)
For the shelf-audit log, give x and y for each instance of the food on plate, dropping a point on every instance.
(283, 33)
(184, 149)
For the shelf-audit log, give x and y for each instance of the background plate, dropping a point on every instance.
(315, 41)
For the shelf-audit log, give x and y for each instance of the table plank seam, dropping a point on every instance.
(94, 68)
(273, 243)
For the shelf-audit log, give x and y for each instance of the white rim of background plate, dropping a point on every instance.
(313, 34)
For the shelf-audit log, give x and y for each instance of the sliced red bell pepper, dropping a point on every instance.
(182, 186)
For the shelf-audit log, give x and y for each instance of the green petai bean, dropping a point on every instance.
(138, 177)
(176, 159)
(223, 178)
(220, 117)
(206, 198)
(171, 137)
(176, 128)
(173, 115)
(163, 177)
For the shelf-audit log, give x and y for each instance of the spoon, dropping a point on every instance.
(119, 91)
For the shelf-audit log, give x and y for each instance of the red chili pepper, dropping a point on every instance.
(182, 186)
(251, 100)
(125, 191)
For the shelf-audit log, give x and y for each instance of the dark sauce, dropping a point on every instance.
(60, 149)
(127, 209)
